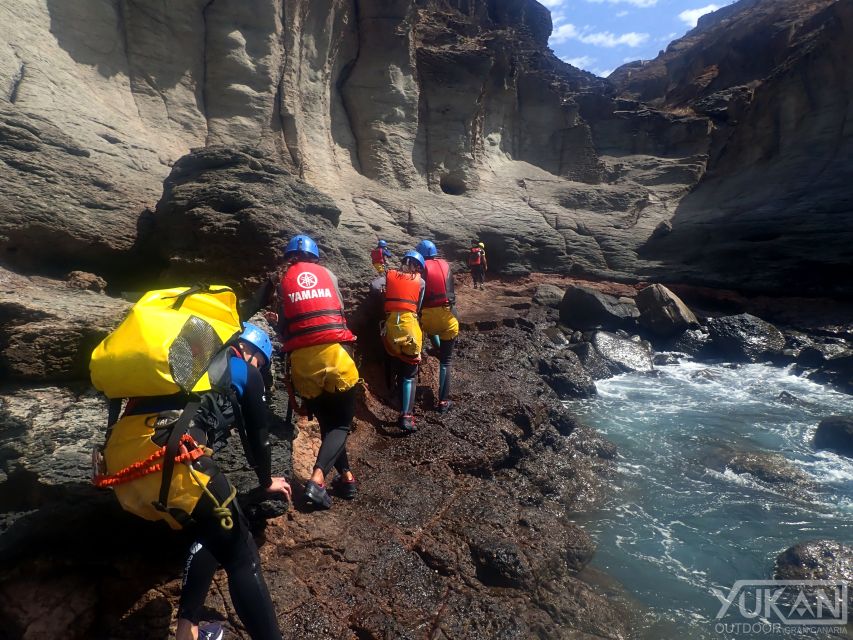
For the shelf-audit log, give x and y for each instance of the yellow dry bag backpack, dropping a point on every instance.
(167, 345)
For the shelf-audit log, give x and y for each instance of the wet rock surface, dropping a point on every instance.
(744, 337)
(622, 353)
(816, 560)
(585, 308)
(835, 433)
(461, 530)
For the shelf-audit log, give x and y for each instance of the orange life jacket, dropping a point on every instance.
(311, 307)
(402, 291)
(437, 272)
(475, 258)
(377, 256)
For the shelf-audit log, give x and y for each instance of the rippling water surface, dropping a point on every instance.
(680, 523)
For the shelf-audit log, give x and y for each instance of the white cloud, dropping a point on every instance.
(607, 39)
(568, 31)
(601, 73)
(690, 17)
(637, 3)
(552, 3)
(622, 14)
(564, 32)
(581, 62)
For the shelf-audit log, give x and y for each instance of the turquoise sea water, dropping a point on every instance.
(680, 523)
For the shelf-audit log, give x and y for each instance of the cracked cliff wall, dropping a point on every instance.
(440, 118)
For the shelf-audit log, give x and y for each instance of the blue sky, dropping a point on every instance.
(600, 35)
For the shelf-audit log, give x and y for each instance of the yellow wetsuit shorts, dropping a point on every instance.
(403, 336)
(322, 368)
(440, 321)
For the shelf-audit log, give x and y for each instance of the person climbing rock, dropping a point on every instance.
(379, 256)
(438, 315)
(187, 385)
(313, 329)
(215, 547)
(477, 264)
(402, 294)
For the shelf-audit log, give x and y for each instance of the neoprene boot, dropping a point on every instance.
(407, 404)
(444, 402)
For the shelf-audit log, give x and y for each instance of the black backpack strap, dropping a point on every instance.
(178, 429)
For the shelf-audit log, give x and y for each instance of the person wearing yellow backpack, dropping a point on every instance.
(315, 336)
(189, 371)
(252, 353)
(402, 294)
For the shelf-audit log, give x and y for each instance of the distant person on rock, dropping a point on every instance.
(477, 264)
(311, 322)
(379, 256)
(402, 294)
(438, 316)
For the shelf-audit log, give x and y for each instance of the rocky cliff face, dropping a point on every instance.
(773, 211)
(443, 119)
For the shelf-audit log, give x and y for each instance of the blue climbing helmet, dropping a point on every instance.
(302, 244)
(427, 249)
(257, 337)
(382, 244)
(414, 257)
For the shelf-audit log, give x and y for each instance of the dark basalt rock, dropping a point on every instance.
(835, 433)
(567, 376)
(584, 308)
(693, 342)
(744, 338)
(663, 313)
(596, 365)
(623, 353)
(816, 560)
(837, 372)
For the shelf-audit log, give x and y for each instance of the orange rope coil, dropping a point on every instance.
(150, 465)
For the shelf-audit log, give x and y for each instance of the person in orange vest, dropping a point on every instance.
(438, 316)
(402, 294)
(477, 264)
(313, 329)
(379, 256)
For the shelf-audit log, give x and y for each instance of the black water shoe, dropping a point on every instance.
(317, 495)
(406, 422)
(346, 489)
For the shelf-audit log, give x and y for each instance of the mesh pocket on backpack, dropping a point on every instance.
(192, 351)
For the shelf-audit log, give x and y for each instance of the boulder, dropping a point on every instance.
(837, 372)
(770, 468)
(48, 330)
(596, 365)
(836, 434)
(744, 338)
(693, 342)
(229, 211)
(663, 313)
(585, 308)
(816, 560)
(548, 295)
(623, 353)
(567, 376)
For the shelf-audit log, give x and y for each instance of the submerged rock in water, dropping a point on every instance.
(816, 560)
(745, 337)
(836, 434)
(624, 353)
(771, 468)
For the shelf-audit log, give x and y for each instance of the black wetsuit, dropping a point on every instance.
(235, 549)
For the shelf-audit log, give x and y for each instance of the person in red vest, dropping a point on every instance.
(313, 329)
(402, 294)
(379, 256)
(438, 316)
(477, 264)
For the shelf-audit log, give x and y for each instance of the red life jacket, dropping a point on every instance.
(437, 271)
(311, 307)
(402, 291)
(377, 256)
(475, 257)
